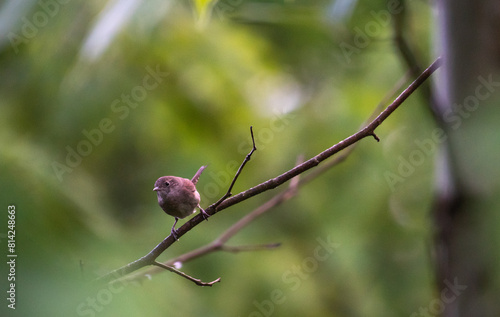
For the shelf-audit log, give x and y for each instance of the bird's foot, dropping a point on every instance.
(204, 213)
(173, 232)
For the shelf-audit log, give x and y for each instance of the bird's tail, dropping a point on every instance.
(196, 176)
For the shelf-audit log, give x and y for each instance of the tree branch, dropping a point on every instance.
(368, 130)
(174, 270)
(314, 161)
(247, 158)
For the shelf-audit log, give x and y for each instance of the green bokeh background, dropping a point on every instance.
(277, 66)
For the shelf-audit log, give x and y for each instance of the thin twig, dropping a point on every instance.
(368, 130)
(408, 53)
(174, 270)
(247, 158)
(246, 248)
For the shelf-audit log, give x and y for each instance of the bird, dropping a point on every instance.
(178, 197)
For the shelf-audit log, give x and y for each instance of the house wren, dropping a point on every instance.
(178, 196)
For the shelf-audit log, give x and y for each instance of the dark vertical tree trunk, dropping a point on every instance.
(467, 248)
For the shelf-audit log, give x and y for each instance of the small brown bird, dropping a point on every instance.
(178, 196)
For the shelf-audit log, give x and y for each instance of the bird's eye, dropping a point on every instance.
(167, 183)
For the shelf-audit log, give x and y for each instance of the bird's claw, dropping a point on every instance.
(204, 214)
(173, 233)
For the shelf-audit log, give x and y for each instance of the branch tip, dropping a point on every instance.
(247, 158)
(253, 140)
(213, 282)
(192, 279)
(375, 136)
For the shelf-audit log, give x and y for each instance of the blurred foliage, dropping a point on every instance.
(99, 99)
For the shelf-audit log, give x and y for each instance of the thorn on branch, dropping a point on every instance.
(192, 279)
(375, 136)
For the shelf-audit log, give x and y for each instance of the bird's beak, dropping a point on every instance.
(156, 189)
